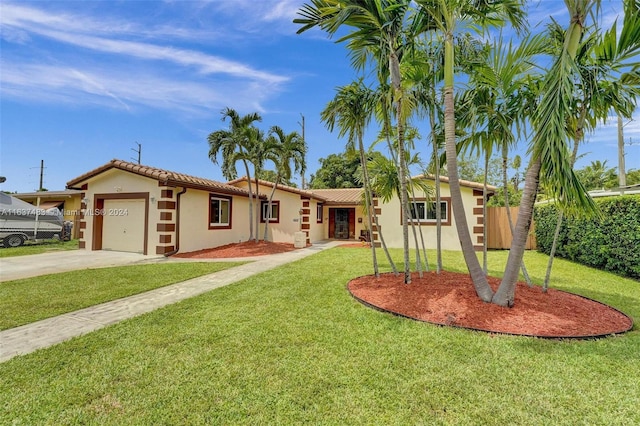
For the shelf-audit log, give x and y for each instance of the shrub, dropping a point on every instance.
(611, 243)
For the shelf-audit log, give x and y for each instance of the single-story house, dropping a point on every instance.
(131, 207)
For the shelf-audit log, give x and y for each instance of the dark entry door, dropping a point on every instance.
(342, 224)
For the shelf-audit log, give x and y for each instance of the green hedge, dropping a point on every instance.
(611, 243)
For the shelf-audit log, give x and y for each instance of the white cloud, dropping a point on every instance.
(61, 59)
(206, 64)
(65, 29)
(122, 91)
(18, 17)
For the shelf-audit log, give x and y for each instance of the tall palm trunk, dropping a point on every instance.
(485, 190)
(478, 277)
(436, 159)
(505, 182)
(549, 107)
(422, 245)
(246, 167)
(258, 208)
(415, 236)
(269, 204)
(394, 68)
(506, 293)
(386, 126)
(556, 233)
(622, 171)
(368, 203)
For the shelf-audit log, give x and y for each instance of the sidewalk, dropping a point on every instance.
(41, 334)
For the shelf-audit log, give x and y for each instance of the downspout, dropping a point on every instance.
(174, 251)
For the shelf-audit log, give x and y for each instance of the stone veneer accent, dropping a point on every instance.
(478, 230)
(306, 211)
(375, 235)
(82, 243)
(166, 224)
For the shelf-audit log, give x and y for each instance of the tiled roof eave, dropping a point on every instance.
(164, 177)
(209, 188)
(281, 187)
(341, 203)
(466, 183)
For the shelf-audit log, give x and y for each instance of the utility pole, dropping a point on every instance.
(303, 141)
(139, 151)
(41, 175)
(622, 173)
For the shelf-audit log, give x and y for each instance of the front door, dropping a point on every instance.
(342, 224)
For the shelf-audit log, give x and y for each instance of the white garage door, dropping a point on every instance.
(123, 225)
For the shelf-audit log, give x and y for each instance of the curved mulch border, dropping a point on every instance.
(449, 299)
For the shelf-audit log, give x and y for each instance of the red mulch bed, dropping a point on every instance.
(449, 299)
(245, 249)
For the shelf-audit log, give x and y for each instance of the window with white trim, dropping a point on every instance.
(319, 212)
(219, 211)
(425, 211)
(274, 217)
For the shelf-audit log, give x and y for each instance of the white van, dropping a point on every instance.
(21, 221)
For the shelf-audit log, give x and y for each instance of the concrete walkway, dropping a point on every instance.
(41, 334)
(17, 267)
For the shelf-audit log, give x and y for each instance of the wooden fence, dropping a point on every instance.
(498, 232)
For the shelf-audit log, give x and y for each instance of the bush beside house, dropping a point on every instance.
(611, 243)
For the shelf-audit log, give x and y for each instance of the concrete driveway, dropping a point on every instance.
(13, 268)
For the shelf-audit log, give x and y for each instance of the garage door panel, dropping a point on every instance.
(123, 225)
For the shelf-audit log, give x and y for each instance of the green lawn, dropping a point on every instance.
(290, 346)
(32, 299)
(37, 248)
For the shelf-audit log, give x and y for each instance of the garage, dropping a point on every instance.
(123, 225)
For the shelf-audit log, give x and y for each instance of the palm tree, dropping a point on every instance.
(549, 153)
(425, 79)
(497, 104)
(234, 145)
(603, 87)
(445, 16)
(385, 184)
(379, 34)
(285, 149)
(352, 109)
(259, 151)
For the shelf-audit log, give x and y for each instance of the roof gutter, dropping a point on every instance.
(174, 251)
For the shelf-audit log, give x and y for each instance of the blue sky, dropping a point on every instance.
(83, 81)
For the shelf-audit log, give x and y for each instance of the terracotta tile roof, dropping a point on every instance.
(166, 177)
(354, 195)
(475, 185)
(351, 196)
(308, 193)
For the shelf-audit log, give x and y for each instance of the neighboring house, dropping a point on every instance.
(131, 207)
(136, 208)
(67, 201)
(614, 192)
